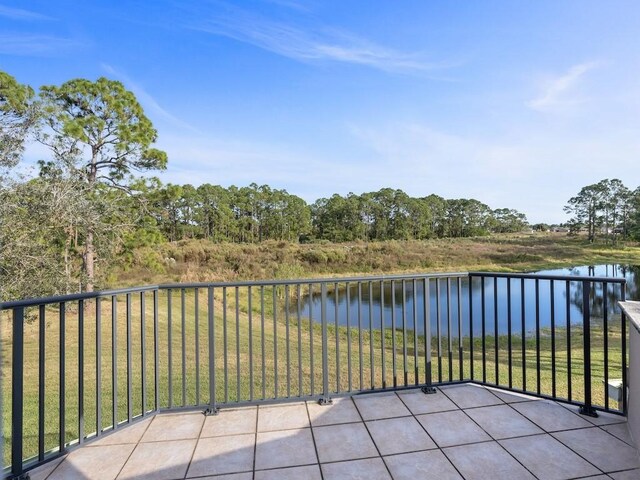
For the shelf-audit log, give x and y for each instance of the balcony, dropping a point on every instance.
(455, 376)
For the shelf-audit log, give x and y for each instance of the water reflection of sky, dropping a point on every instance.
(397, 304)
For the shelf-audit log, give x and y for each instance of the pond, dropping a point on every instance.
(398, 304)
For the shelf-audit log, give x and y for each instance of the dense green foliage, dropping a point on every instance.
(608, 209)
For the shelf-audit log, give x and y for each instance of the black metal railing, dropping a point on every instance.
(78, 367)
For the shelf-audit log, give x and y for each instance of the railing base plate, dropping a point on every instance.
(211, 411)
(429, 390)
(325, 401)
(589, 412)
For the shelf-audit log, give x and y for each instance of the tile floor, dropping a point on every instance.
(465, 431)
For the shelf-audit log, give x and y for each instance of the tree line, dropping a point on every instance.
(607, 209)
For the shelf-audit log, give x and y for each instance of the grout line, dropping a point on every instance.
(313, 438)
(134, 448)
(255, 444)
(195, 446)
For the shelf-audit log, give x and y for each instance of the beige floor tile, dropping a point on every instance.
(159, 461)
(218, 455)
(230, 476)
(399, 435)
(341, 411)
(417, 465)
(626, 475)
(420, 403)
(230, 422)
(377, 406)
(368, 469)
(550, 416)
(603, 450)
(512, 397)
(283, 417)
(621, 431)
(88, 463)
(452, 428)
(45, 470)
(501, 421)
(482, 461)
(285, 448)
(466, 396)
(126, 434)
(174, 427)
(308, 472)
(348, 441)
(547, 458)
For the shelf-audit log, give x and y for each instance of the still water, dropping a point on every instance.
(403, 304)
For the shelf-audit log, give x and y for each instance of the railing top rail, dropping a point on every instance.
(263, 283)
(572, 278)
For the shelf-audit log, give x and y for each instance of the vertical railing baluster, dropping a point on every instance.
(383, 336)
(250, 319)
(98, 366)
(313, 373)
(471, 373)
(17, 392)
(371, 338)
(623, 332)
(212, 409)
(587, 408)
(416, 371)
(337, 334)
(348, 303)
(404, 334)
(62, 400)
(325, 340)
(170, 346)
(275, 343)
(225, 344)
(568, 319)
(183, 341)
(360, 346)
(196, 313)
(41, 380)
(438, 332)
(262, 349)
(156, 352)
(524, 335)
(143, 351)
(496, 336)
(605, 339)
(553, 338)
(299, 319)
(449, 341)
(287, 338)
(393, 335)
(129, 384)
(114, 362)
(81, 371)
(460, 345)
(483, 317)
(428, 370)
(238, 372)
(538, 370)
(509, 333)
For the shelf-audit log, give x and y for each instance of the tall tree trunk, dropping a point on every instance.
(89, 258)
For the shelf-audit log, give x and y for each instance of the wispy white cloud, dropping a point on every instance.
(555, 91)
(35, 45)
(311, 43)
(146, 99)
(21, 14)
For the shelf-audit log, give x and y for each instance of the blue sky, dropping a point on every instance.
(516, 103)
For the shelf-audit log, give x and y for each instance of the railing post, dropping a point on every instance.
(587, 408)
(326, 399)
(212, 410)
(623, 297)
(17, 393)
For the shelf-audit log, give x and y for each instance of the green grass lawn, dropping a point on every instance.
(290, 364)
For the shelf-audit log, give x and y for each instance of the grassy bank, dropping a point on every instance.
(197, 260)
